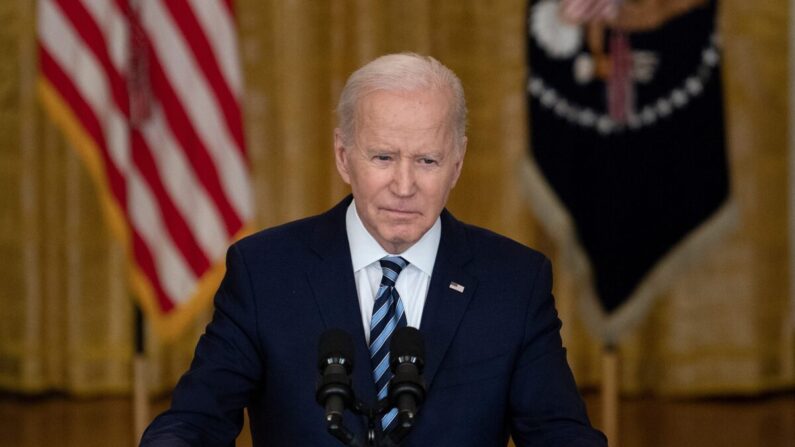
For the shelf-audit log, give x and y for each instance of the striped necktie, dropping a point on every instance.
(388, 315)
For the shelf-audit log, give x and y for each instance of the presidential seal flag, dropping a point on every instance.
(148, 93)
(627, 165)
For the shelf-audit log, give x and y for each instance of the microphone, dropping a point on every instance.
(334, 392)
(406, 389)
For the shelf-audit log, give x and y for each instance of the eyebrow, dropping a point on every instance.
(434, 154)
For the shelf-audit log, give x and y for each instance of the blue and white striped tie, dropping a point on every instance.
(388, 315)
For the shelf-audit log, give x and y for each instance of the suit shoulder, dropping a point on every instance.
(280, 239)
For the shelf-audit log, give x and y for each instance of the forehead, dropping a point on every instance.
(404, 110)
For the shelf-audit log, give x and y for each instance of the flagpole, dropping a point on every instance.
(610, 393)
(138, 112)
(140, 399)
(791, 130)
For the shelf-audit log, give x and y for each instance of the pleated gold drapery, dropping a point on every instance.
(66, 314)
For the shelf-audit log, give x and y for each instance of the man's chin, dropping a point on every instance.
(400, 243)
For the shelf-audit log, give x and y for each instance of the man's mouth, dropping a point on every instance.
(400, 212)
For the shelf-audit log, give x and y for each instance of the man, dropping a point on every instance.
(494, 363)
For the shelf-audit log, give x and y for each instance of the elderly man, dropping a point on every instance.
(390, 255)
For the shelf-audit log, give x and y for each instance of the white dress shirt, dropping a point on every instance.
(412, 283)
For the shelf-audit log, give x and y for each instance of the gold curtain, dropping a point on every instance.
(66, 320)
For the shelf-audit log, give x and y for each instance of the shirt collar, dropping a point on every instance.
(365, 249)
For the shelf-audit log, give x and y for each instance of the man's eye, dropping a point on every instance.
(382, 157)
(428, 161)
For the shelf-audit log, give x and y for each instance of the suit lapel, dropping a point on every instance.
(449, 294)
(334, 288)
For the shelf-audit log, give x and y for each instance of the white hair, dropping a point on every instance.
(403, 72)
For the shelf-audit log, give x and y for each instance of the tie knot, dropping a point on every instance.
(392, 266)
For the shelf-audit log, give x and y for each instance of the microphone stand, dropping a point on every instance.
(373, 415)
(335, 427)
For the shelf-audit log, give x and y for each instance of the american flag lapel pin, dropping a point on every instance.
(457, 287)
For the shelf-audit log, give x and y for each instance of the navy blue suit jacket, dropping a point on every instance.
(495, 365)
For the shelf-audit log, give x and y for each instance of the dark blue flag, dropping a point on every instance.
(627, 161)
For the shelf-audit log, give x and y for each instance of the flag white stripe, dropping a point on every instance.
(175, 276)
(184, 188)
(216, 20)
(114, 27)
(203, 111)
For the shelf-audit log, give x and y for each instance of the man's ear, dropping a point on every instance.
(341, 156)
(462, 150)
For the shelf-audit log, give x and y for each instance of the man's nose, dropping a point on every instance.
(403, 182)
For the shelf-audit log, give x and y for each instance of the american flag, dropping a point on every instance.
(579, 11)
(148, 93)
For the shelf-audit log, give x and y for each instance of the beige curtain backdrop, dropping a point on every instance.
(66, 320)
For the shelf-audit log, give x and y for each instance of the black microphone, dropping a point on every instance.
(406, 389)
(334, 392)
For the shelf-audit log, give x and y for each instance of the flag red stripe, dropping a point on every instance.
(191, 144)
(123, 6)
(146, 263)
(177, 228)
(231, 7)
(185, 19)
(94, 39)
(85, 114)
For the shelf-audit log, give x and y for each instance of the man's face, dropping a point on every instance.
(401, 164)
